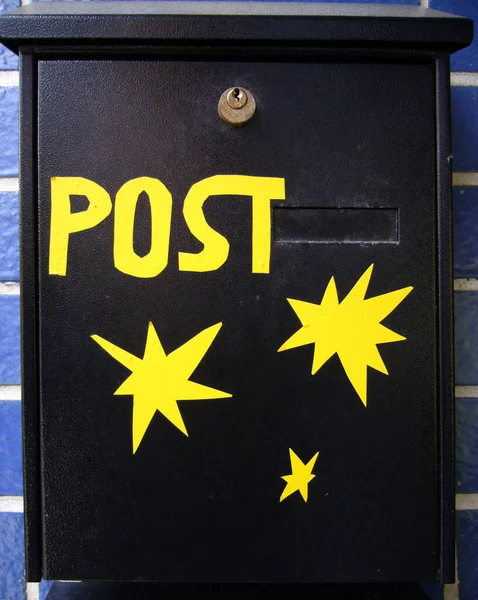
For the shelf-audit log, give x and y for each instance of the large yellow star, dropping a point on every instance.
(301, 476)
(158, 381)
(350, 328)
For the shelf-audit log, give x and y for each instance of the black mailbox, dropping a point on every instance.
(237, 343)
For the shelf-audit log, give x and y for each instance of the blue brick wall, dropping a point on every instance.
(467, 543)
(467, 445)
(11, 556)
(10, 449)
(465, 128)
(9, 131)
(464, 60)
(8, 60)
(9, 267)
(9, 339)
(465, 219)
(465, 205)
(466, 332)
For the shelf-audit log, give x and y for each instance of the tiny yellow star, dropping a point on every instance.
(300, 477)
(158, 381)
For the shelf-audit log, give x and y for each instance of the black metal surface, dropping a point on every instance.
(152, 591)
(29, 322)
(323, 225)
(446, 396)
(205, 508)
(353, 113)
(313, 23)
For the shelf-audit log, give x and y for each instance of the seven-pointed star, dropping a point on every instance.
(300, 477)
(158, 381)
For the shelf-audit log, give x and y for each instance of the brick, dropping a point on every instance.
(464, 109)
(9, 340)
(9, 266)
(44, 588)
(10, 449)
(8, 5)
(465, 231)
(12, 557)
(466, 59)
(8, 60)
(467, 445)
(467, 543)
(466, 338)
(9, 131)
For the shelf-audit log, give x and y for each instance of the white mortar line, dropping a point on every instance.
(466, 391)
(467, 502)
(424, 3)
(9, 289)
(451, 590)
(464, 79)
(25, 2)
(465, 179)
(11, 504)
(10, 392)
(465, 285)
(9, 78)
(9, 184)
(33, 591)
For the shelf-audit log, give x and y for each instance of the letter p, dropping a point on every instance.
(64, 222)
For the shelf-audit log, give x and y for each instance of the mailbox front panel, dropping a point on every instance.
(193, 491)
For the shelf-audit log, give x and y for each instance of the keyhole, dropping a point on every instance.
(237, 98)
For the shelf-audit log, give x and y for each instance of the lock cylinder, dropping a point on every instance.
(236, 106)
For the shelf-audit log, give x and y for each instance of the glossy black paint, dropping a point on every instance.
(356, 121)
(212, 23)
(257, 591)
(206, 507)
(446, 410)
(29, 319)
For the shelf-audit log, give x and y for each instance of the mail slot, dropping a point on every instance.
(237, 342)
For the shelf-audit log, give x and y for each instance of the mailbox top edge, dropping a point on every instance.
(280, 22)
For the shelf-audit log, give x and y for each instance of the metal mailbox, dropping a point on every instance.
(237, 343)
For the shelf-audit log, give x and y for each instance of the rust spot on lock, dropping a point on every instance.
(236, 106)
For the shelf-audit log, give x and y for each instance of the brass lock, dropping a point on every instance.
(236, 106)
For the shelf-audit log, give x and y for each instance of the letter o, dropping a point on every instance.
(160, 200)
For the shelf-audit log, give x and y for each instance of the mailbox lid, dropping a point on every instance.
(367, 26)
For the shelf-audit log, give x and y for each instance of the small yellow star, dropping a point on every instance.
(158, 381)
(300, 477)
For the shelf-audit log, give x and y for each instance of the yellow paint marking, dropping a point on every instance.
(64, 222)
(158, 381)
(161, 206)
(350, 328)
(301, 476)
(216, 248)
